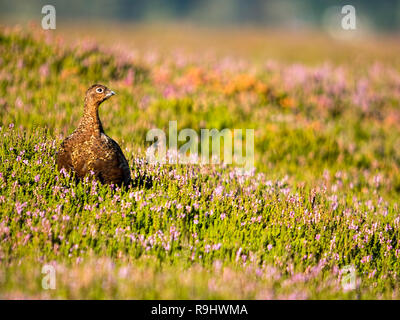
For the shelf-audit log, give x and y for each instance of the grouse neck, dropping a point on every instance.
(91, 120)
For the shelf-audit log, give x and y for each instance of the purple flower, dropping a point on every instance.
(20, 207)
(129, 78)
(218, 190)
(366, 259)
(44, 70)
(217, 246)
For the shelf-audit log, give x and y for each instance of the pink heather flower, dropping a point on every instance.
(58, 208)
(217, 246)
(169, 91)
(366, 259)
(371, 274)
(218, 190)
(44, 70)
(37, 178)
(11, 125)
(64, 172)
(269, 247)
(317, 237)
(20, 207)
(238, 254)
(223, 216)
(129, 78)
(19, 103)
(144, 102)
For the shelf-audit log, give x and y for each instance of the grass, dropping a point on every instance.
(323, 195)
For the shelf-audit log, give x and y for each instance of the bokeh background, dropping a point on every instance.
(306, 31)
(290, 14)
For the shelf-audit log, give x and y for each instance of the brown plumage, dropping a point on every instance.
(88, 150)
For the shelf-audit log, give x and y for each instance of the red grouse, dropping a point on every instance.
(89, 151)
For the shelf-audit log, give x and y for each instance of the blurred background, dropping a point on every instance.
(291, 14)
(307, 31)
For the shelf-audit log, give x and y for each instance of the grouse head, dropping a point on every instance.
(96, 94)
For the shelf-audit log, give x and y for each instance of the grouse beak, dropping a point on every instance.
(109, 94)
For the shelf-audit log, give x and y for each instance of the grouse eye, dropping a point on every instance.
(99, 90)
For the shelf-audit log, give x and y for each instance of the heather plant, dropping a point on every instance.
(322, 196)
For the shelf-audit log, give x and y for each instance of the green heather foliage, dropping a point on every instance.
(323, 194)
